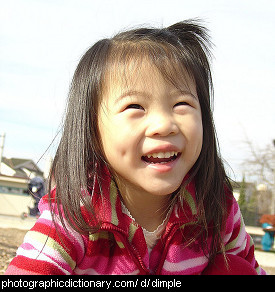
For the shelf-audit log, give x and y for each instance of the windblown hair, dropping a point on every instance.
(175, 50)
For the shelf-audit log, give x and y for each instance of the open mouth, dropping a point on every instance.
(161, 157)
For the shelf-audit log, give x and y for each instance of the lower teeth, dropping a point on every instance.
(163, 162)
(160, 162)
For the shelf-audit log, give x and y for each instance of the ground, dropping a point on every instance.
(11, 238)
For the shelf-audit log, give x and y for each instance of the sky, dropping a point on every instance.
(41, 42)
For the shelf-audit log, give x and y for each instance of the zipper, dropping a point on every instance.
(169, 235)
(135, 255)
(172, 229)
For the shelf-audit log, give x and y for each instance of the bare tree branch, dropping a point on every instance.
(260, 164)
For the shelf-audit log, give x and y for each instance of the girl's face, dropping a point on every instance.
(151, 131)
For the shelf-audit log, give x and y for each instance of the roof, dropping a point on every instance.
(22, 167)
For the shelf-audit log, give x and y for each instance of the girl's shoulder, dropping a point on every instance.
(48, 198)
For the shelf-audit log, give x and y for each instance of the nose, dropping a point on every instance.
(161, 124)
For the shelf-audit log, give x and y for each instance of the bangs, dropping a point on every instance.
(126, 59)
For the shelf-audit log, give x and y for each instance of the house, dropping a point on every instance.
(18, 167)
(15, 174)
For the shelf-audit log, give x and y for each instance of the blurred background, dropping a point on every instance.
(41, 42)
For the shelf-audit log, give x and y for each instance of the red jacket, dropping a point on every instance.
(119, 246)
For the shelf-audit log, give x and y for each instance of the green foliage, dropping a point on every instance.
(242, 198)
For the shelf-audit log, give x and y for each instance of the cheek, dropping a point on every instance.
(199, 139)
(199, 135)
(113, 140)
(105, 134)
(194, 136)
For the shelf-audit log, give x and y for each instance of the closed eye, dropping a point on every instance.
(181, 103)
(135, 106)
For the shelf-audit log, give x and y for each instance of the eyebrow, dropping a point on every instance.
(133, 92)
(184, 92)
(129, 93)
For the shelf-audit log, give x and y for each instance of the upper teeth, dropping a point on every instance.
(162, 154)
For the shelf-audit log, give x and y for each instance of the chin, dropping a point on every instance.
(163, 190)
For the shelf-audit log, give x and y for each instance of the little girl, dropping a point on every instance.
(140, 187)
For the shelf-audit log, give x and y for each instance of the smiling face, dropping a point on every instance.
(151, 131)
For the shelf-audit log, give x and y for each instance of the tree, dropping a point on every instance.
(248, 202)
(260, 164)
(261, 167)
(242, 198)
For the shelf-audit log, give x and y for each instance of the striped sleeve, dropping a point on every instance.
(237, 240)
(46, 251)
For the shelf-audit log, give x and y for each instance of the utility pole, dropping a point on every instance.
(2, 143)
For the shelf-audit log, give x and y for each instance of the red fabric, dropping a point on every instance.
(236, 266)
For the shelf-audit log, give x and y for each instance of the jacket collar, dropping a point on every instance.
(108, 208)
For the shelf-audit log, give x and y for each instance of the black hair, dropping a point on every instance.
(184, 46)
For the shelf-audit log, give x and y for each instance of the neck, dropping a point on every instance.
(148, 210)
